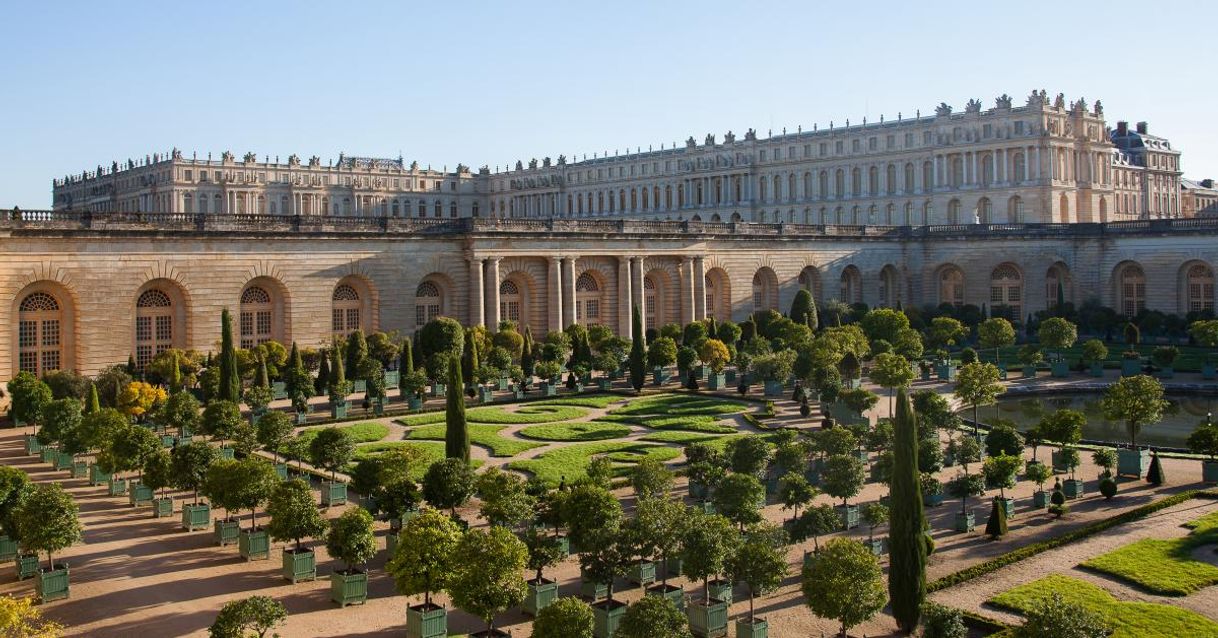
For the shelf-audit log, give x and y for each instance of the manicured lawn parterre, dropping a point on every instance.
(528, 413)
(429, 452)
(684, 404)
(482, 434)
(584, 400)
(689, 423)
(1161, 566)
(579, 431)
(359, 432)
(1128, 619)
(572, 461)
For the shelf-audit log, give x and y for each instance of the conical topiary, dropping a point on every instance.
(1155, 475)
(996, 527)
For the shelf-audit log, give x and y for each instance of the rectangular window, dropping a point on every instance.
(143, 328)
(838, 147)
(189, 175)
(871, 144)
(336, 320)
(164, 328)
(1019, 128)
(50, 334)
(855, 146)
(987, 130)
(909, 140)
(762, 155)
(27, 334)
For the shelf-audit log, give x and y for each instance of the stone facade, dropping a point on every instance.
(86, 290)
(1044, 160)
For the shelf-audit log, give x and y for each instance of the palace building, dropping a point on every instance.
(1000, 207)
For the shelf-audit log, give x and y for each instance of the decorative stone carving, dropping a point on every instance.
(226, 157)
(519, 165)
(1060, 101)
(729, 137)
(250, 158)
(750, 135)
(533, 163)
(545, 162)
(710, 139)
(943, 109)
(1099, 108)
(690, 143)
(973, 106)
(1003, 101)
(562, 160)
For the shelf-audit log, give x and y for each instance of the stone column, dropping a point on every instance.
(636, 288)
(699, 289)
(492, 293)
(477, 292)
(686, 289)
(568, 291)
(554, 288)
(625, 322)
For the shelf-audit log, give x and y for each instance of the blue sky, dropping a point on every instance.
(489, 83)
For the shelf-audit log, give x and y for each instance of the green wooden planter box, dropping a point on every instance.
(426, 621)
(339, 410)
(349, 589)
(32, 446)
(607, 616)
(874, 545)
(604, 385)
(196, 517)
(47, 453)
(64, 461)
(27, 565)
(849, 515)
(333, 493)
(254, 545)
(1097, 369)
(225, 532)
(1209, 371)
(118, 487)
(1059, 461)
(1131, 367)
(540, 595)
(592, 591)
(162, 508)
(485, 394)
(756, 629)
(279, 390)
(658, 376)
(1060, 369)
(281, 470)
(391, 543)
(1209, 473)
(378, 407)
(299, 565)
(438, 389)
(729, 376)
(139, 494)
(708, 620)
(52, 584)
(502, 383)
(698, 491)
(414, 403)
(228, 453)
(80, 469)
(642, 573)
(8, 548)
(965, 522)
(716, 382)
(302, 418)
(721, 590)
(564, 545)
(1040, 499)
(672, 592)
(1072, 488)
(1009, 505)
(1029, 372)
(167, 440)
(773, 388)
(932, 500)
(360, 385)
(392, 377)
(945, 371)
(1133, 463)
(1166, 373)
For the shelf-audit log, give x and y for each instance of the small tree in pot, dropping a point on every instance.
(190, 463)
(760, 562)
(294, 517)
(844, 582)
(1039, 473)
(486, 579)
(567, 617)
(448, 484)
(962, 487)
(1136, 401)
(331, 450)
(843, 478)
(158, 475)
(350, 540)
(1204, 440)
(709, 542)
(47, 521)
(423, 564)
(544, 550)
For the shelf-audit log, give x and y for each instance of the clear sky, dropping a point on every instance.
(85, 83)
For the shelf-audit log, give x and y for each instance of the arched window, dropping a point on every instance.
(987, 169)
(873, 181)
(1064, 209)
(890, 179)
(587, 299)
(1132, 289)
(718, 295)
(953, 211)
(39, 342)
(928, 177)
(909, 178)
(344, 310)
(809, 279)
(428, 303)
(1057, 284)
(153, 325)
(1006, 292)
(856, 182)
(839, 184)
(257, 316)
(985, 210)
(791, 187)
(1021, 169)
(823, 185)
(951, 286)
(1015, 210)
(509, 301)
(651, 304)
(852, 285)
(765, 290)
(1200, 288)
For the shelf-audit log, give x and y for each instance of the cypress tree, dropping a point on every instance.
(638, 357)
(323, 374)
(93, 406)
(456, 431)
(295, 374)
(131, 369)
(406, 359)
(175, 376)
(469, 359)
(800, 305)
(337, 374)
(357, 351)
(996, 526)
(907, 570)
(230, 379)
(527, 361)
(1061, 299)
(264, 379)
(416, 352)
(812, 319)
(1155, 475)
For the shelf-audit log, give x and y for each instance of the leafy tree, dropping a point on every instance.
(748, 454)
(739, 498)
(67, 384)
(875, 514)
(815, 522)
(190, 463)
(439, 340)
(1137, 401)
(424, 560)
(965, 485)
(795, 492)
(230, 378)
(20, 618)
(448, 484)
(650, 477)
(606, 556)
(653, 617)
(844, 582)
(708, 544)
(456, 430)
(241, 485)
(294, 514)
(600, 472)
(907, 570)
(273, 430)
(1204, 440)
(891, 371)
(544, 551)
(843, 477)
(1064, 426)
(945, 331)
(505, 501)
(486, 579)
(129, 449)
(14, 488)
(181, 410)
(939, 621)
(29, 397)
(220, 420)
(976, 385)
(657, 529)
(356, 351)
(715, 354)
(1000, 470)
(1094, 351)
(662, 352)
(60, 424)
(351, 538)
(244, 617)
(331, 450)
(590, 509)
(337, 385)
(158, 471)
(47, 520)
(1056, 333)
(760, 561)
(1056, 617)
(566, 617)
(996, 333)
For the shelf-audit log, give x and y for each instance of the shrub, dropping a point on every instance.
(1108, 487)
(257, 614)
(567, 617)
(939, 621)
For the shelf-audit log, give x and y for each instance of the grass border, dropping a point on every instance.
(998, 562)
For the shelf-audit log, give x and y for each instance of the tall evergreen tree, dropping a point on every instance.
(230, 379)
(406, 359)
(456, 430)
(357, 351)
(526, 352)
(338, 375)
(323, 373)
(264, 379)
(469, 358)
(94, 405)
(801, 305)
(296, 380)
(175, 375)
(907, 570)
(638, 356)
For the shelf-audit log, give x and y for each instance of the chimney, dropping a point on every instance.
(1122, 128)
(1142, 128)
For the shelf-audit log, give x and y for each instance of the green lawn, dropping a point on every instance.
(682, 404)
(426, 418)
(689, 423)
(359, 432)
(486, 435)
(579, 431)
(583, 400)
(572, 461)
(681, 438)
(527, 413)
(1128, 619)
(1161, 566)
(429, 452)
